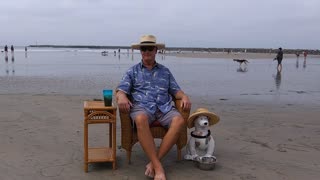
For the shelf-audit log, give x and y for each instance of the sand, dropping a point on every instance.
(41, 137)
(254, 56)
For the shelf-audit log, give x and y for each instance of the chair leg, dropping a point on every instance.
(179, 154)
(129, 157)
(85, 167)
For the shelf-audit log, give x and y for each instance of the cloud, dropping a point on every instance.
(205, 23)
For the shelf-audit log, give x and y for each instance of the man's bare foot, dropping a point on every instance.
(149, 170)
(159, 174)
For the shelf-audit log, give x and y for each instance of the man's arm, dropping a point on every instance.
(186, 104)
(123, 102)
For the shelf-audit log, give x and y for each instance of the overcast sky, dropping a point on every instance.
(186, 23)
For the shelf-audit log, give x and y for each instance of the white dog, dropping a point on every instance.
(201, 142)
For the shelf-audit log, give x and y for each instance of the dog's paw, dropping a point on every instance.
(208, 155)
(190, 157)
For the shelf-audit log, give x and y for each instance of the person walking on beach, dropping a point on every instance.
(305, 54)
(279, 57)
(146, 92)
(12, 48)
(6, 49)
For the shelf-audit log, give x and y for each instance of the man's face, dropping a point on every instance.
(148, 53)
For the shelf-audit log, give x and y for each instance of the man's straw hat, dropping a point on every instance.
(213, 118)
(148, 40)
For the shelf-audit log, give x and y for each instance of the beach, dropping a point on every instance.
(269, 127)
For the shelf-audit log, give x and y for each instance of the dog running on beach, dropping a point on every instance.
(241, 61)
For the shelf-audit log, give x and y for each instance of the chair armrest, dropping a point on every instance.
(185, 113)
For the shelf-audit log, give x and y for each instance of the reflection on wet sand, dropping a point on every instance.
(278, 80)
(6, 58)
(305, 63)
(242, 69)
(297, 62)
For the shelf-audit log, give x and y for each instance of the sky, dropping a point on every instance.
(177, 23)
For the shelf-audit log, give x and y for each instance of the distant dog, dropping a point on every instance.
(241, 61)
(201, 142)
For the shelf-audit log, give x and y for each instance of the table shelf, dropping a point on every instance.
(100, 154)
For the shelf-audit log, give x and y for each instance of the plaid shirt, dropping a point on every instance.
(150, 89)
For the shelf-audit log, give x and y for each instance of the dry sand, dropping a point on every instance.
(42, 138)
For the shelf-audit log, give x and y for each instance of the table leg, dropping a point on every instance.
(85, 143)
(114, 144)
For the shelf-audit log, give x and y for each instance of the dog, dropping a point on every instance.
(201, 143)
(241, 61)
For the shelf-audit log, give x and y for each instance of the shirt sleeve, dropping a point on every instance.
(173, 85)
(125, 84)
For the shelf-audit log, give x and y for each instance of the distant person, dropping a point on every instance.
(25, 49)
(279, 58)
(305, 53)
(12, 48)
(6, 49)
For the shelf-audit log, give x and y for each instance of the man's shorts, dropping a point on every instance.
(163, 119)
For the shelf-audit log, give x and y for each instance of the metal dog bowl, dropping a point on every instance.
(206, 163)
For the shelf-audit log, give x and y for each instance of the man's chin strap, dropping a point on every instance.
(202, 137)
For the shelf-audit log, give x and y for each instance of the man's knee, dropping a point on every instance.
(178, 121)
(141, 120)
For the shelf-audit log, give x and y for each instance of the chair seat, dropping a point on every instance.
(156, 124)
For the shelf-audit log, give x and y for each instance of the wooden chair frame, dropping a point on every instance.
(129, 135)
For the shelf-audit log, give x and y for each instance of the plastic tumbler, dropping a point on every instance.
(107, 97)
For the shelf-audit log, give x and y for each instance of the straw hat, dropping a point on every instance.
(213, 118)
(148, 40)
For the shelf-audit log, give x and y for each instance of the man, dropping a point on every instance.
(146, 92)
(279, 57)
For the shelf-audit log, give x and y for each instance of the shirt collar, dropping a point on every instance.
(143, 66)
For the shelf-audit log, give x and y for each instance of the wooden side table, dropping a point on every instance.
(95, 113)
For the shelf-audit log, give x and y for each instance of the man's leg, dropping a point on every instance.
(169, 139)
(146, 140)
(171, 136)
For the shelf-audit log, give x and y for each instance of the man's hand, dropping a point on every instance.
(185, 101)
(186, 104)
(123, 102)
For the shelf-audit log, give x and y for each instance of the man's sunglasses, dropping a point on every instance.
(145, 48)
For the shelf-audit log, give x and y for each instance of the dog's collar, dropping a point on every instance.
(196, 136)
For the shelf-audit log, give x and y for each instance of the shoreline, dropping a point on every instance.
(191, 49)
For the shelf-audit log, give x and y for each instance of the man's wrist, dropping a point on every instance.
(119, 94)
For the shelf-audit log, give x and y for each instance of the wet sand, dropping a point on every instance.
(254, 56)
(42, 137)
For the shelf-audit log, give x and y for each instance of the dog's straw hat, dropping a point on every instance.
(148, 40)
(213, 118)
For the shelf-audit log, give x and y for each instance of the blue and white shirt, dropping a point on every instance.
(150, 89)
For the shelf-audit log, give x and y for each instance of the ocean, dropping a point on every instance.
(87, 72)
